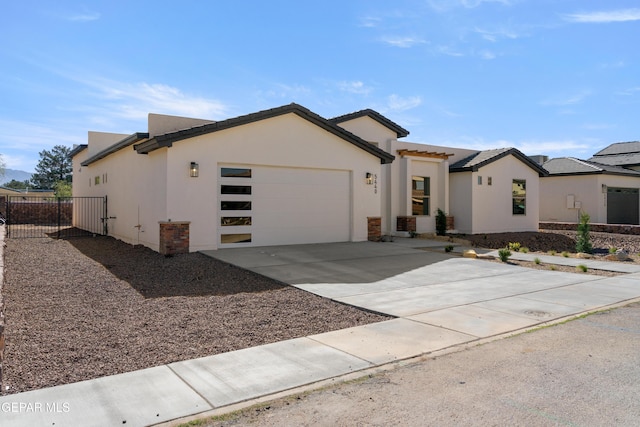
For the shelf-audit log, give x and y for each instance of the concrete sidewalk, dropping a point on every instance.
(439, 301)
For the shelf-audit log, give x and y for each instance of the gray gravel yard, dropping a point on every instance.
(88, 307)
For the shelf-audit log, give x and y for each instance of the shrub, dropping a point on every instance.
(537, 260)
(524, 250)
(613, 250)
(552, 252)
(514, 246)
(448, 248)
(441, 223)
(582, 268)
(583, 240)
(565, 254)
(504, 254)
(552, 268)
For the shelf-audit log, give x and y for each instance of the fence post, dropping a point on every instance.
(105, 220)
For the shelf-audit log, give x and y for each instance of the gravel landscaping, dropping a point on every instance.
(84, 308)
(88, 307)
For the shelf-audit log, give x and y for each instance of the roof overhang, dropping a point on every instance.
(427, 154)
(131, 139)
(167, 140)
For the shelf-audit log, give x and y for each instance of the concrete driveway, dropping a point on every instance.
(438, 302)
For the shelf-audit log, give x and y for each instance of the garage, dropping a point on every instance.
(623, 206)
(263, 205)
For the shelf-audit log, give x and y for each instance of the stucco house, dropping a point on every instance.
(288, 176)
(608, 193)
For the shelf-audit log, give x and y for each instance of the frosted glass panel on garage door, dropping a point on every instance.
(292, 206)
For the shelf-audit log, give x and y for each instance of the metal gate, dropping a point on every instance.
(57, 217)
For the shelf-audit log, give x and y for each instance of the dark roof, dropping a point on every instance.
(77, 149)
(168, 139)
(619, 154)
(625, 159)
(571, 166)
(131, 139)
(482, 158)
(399, 130)
(620, 148)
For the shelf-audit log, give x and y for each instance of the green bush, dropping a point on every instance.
(583, 240)
(514, 246)
(582, 268)
(565, 254)
(441, 223)
(448, 248)
(524, 250)
(613, 250)
(504, 254)
(537, 260)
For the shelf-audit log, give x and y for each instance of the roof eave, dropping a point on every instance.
(131, 139)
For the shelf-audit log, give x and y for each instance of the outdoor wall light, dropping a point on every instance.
(369, 178)
(193, 170)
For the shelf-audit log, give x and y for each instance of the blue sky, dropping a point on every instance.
(555, 77)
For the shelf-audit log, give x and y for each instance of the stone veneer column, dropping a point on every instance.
(450, 223)
(374, 228)
(174, 237)
(406, 223)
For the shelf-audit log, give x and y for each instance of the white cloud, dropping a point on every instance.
(356, 87)
(84, 17)
(369, 21)
(403, 42)
(449, 51)
(487, 54)
(444, 5)
(495, 35)
(629, 92)
(622, 15)
(528, 147)
(135, 100)
(398, 103)
(571, 99)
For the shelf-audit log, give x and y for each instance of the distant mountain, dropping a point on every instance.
(11, 174)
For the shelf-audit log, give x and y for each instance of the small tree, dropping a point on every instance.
(441, 223)
(62, 189)
(583, 240)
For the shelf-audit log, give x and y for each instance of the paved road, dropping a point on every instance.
(584, 372)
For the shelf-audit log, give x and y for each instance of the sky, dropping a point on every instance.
(552, 77)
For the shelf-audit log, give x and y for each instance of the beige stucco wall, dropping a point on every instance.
(369, 130)
(461, 201)
(286, 141)
(134, 185)
(159, 124)
(587, 190)
(491, 205)
(99, 141)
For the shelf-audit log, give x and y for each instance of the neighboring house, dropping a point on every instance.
(288, 176)
(623, 154)
(608, 193)
(495, 191)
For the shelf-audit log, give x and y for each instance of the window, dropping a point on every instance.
(489, 181)
(235, 206)
(235, 173)
(228, 221)
(519, 196)
(420, 195)
(96, 180)
(479, 180)
(235, 238)
(235, 189)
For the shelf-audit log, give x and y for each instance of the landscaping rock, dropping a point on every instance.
(469, 253)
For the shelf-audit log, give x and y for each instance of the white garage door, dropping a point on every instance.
(262, 206)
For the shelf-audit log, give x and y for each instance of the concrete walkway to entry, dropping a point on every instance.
(438, 301)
